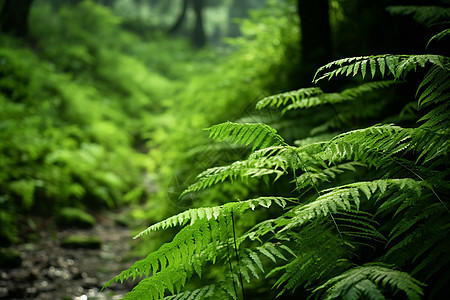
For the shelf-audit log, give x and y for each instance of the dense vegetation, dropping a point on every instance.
(332, 190)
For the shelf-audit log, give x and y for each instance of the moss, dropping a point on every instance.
(10, 258)
(81, 241)
(74, 217)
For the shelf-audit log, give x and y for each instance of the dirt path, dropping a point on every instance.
(50, 271)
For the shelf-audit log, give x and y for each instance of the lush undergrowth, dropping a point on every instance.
(342, 182)
(102, 118)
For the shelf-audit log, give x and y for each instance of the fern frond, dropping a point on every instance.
(261, 135)
(200, 214)
(373, 146)
(435, 91)
(292, 96)
(251, 261)
(397, 65)
(334, 98)
(315, 176)
(422, 228)
(435, 87)
(358, 225)
(433, 146)
(426, 15)
(437, 119)
(347, 198)
(193, 246)
(313, 259)
(354, 283)
(240, 169)
(221, 290)
(414, 61)
(439, 36)
(198, 294)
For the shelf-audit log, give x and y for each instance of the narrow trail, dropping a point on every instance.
(49, 271)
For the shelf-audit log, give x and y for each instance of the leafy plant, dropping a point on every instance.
(367, 216)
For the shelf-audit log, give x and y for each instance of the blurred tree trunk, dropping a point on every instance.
(180, 19)
(14, 17)
(316, 33)
(198, 34)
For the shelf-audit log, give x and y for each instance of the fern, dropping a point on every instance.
(369, 281)
(222, 290)
(422, 14)
(435, 89)
(292, 96)
(310, 97)
(261, 135)
(240, 169)
(359, 198)
(313, 259)
(396, 65)
(213, 213)
(348, 198)
(437, 37)
(198, 294)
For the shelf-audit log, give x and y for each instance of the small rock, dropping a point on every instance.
(3, 292)
(44, 286)
(4, 276)
(20, 275)
(31, 290)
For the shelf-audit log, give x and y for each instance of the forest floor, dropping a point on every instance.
(50, 271)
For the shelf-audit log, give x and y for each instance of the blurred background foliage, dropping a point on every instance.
(103, 103)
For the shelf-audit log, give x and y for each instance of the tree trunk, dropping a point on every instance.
(198, 34)
(180, 19)
(316, 36)
(14, 17)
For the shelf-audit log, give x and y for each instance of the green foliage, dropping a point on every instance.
(397, 65)
(366, 212)
(215, 90)
(422, 14)
(73, 113)
(310, 97)
(365, 281)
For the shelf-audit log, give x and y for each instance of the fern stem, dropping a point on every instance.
(237, 256)
(306, 170)
(420, 177)
(337, 228)
(231, 268)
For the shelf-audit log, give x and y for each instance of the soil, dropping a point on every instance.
(50, 271)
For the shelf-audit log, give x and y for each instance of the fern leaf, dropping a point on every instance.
(334, 98)
(261, 135)
(198, 294)
(439, 36)
(422, 14)
(313, 260)
(207, 213)
(292, 96)
(347, 197)
(398, 65)
(169, 255)
(380, 276)
(255, 166)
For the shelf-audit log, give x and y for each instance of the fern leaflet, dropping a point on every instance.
(354, 283)
(261, 135)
